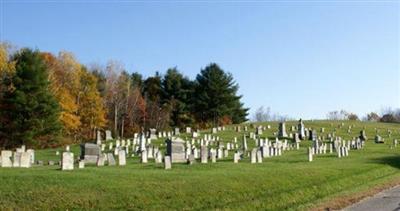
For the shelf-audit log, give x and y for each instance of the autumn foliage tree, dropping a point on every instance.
(43, 96)
(64, 84)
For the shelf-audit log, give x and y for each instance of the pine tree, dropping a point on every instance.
(31, 111)
(177, 91)
(215, 98)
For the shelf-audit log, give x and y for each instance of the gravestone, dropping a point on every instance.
(67, 161)
(90, 152)
(17, 159)
(296, 138)
(310, 154)
(265, 151)
(25, 160)
(213, 156)
(167, 162)
(253, 156)
(81, 164)
(188, 130)
(259, 156)
(98, 137)
(176, 150)
(101, 159)
(204, 154)
(121, 158)
(152, 133)
(236, 157)
(259, 130)
(244, 143)
(32, 155)
(282, 130)
(313, 135)
(362, 136)
(176, 131)
(108, 135)
(158, 157)
(6, 158)
(144, 156)
(111, 159)
(191, 159)
(379, 139)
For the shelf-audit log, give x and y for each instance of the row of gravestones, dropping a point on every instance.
(20, 158)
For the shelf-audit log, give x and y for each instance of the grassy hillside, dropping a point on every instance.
(285, 182)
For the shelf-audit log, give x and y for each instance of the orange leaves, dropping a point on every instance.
(75, 90)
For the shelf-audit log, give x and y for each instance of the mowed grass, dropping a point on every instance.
(288, 182)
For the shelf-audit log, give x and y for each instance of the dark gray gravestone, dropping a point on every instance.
(90, 152)
(176, 150)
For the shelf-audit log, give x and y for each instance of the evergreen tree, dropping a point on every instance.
(31, 111)
(177, 91)
(136, 80)
(215, 99)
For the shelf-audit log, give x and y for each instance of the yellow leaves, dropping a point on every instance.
(64, 84)
(7, 69)
(91, 108)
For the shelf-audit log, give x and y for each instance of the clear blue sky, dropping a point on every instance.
(302, 59)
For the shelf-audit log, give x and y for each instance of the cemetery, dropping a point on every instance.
(199, 105)
(271, 165)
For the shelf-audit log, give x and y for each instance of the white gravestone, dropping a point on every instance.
(67, 161)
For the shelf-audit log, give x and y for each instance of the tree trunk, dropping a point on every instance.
(115, 120)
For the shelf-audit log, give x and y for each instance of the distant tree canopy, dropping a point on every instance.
(48, 100)
(373, 117)
(353, 117)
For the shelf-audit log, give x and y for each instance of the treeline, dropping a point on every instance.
(387, 115)
(50, 100)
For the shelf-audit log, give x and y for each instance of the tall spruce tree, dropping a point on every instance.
(177, 91)
(215, 97)
(30, 111)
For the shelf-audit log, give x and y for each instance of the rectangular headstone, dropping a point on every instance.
(90, 152)
(6, 158)
(204, 154)
(167, 162)
(111, 159)
(25, 160)
(67, 161)
(17, 159)
(81, 164)
(176, 150)
(101, 159)
(121, 158)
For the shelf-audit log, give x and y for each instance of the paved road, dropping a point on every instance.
(385, 200)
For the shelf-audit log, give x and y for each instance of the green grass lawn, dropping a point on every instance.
(279, 183)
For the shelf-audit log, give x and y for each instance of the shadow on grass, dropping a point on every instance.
(393, 161)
